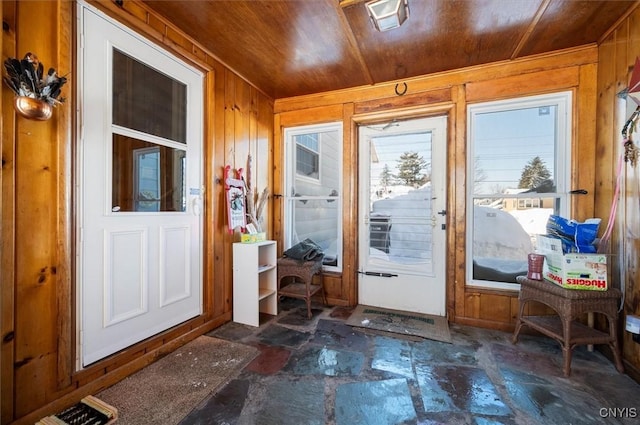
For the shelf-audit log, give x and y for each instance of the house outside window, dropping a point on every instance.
(308, 156)
(313, 189)
(520, 151)
(527, 203)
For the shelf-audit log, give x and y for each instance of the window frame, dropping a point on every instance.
(562, 172)
(290, 175)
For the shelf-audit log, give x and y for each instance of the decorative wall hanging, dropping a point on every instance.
(36, 93)
(403, 91)
(255, 207)
(633, 92)
(235, 194)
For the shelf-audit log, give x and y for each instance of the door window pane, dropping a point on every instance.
(147, 177)
(147, 100)
(400, 227)
(519, 152)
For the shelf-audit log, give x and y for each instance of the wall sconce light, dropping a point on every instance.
(387, 14)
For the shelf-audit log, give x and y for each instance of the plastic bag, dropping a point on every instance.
(575, 236)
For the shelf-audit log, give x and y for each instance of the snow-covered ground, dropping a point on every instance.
(498, 234)
(533, 221)
(410, 220)
(502, 239)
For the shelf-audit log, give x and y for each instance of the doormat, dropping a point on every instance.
(167, 390)
(401, 322)
(90, 411)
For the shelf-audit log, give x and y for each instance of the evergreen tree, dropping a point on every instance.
(410, 169)
(386, 178)
(534, 174)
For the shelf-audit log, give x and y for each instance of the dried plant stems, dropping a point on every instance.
(254, 212)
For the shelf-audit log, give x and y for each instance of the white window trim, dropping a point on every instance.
(564, 101)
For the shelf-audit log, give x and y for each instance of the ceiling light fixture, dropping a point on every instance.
(387, 14)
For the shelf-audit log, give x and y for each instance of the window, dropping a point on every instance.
(307, 156)
(313, 189)
(147, 179)
(519, 151)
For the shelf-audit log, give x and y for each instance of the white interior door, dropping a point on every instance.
(140, 155)
(402, 215)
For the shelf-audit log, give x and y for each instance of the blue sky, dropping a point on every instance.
(389, 149)
(506, 141)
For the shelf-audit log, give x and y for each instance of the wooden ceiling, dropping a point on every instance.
(295, 47)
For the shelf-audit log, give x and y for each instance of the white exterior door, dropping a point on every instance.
(140, 167)
(402, 215)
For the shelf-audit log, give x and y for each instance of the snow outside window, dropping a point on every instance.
(313, 189)
(519, 174)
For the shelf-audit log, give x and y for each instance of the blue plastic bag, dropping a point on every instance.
(575, 236)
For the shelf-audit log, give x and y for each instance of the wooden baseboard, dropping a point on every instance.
(337, 302)
(632, 371)
(629, 369)
(483, 323)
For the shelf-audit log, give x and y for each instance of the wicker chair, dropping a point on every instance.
(304, 271)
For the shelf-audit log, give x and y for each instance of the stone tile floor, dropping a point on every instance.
(321, 371)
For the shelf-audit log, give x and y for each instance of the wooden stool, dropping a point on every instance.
(304, 270)
(570, 304)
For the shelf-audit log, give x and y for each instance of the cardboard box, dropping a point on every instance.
(253, 237)
(573, 270)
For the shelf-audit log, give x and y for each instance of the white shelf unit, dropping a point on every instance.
(254, 281)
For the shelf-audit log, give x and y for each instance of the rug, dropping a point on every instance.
(401, 322)
(167, 390)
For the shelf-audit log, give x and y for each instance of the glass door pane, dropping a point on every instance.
(149, 138)
(147, 100)
(147, 177)
(400, 228)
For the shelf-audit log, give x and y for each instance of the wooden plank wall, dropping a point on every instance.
(37, 293)
(7, 184)
(448, 93)
(617, 56)
(35, 253)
